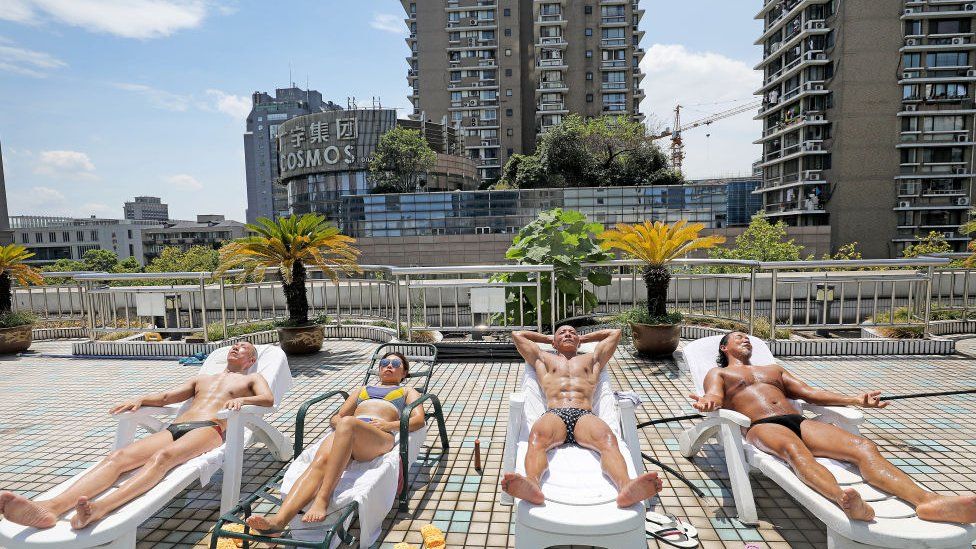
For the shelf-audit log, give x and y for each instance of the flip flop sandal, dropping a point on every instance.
(671, 521)
(672, 532)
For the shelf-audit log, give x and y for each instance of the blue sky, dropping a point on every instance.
(107, 99)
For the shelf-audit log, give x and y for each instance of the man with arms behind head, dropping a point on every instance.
(761, 392)
(569, 381)
(193, 433)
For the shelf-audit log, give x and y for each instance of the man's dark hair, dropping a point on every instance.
(723, 359)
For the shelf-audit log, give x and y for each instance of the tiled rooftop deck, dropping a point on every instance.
(53, 422)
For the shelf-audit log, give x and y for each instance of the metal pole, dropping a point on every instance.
(396, 303)
(552, 298)
(406, 280)
(928, 300)
(772, 308)
(752, 298)
(203, 309)
(223, 308)
(538, 299)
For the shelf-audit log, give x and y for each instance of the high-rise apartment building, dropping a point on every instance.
(147, 207)
(264, 197)
(867, 118)
(507, 70)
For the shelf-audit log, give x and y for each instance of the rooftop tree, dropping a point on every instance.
(401, 159)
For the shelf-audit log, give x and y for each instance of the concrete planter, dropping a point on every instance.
(655, 339)
(17, 339)
(301, 340)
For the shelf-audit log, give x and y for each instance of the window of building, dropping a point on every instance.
(508, 52)
(509, 132)
(589, 98)
(913, 28)
(588, 10)
(588, 31)
(508, 112)
(508, 32)
(510, 152)
(589, 76)
(79, 236)
(38, 237)
(589, 53)
(508, 92)
(507, 12)
(52, 237)
(65, 236)
(911, 60)
(508, 72)
(949, 26)
(94, 235)
(24, 238)
(947, 59)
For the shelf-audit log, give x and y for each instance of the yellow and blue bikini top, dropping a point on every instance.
(396, 396)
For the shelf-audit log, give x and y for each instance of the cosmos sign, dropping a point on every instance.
(329, 141)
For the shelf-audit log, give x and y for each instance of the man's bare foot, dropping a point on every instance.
(639, 489)
(316, 512)
(86, 512)
(263, 525)
(520, 487)
(5, 496)
(25, 512)
(854, 506)
(961, 509)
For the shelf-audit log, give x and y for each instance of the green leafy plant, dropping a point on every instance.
(565, 240)
(288, 244)
(13, 268)
(401, 158)
(657, 244)
(215, 330)
(761, 241)
(12, 319)
(932, 243)
(902, 315)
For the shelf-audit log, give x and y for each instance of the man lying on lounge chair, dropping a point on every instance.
(193, 433)
(569, 381)
(761, 391)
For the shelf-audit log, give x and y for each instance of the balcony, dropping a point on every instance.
(790, 10)
(478, 85)
(550, 19)
(930, 10)
(615, 20)
(613, 86)
(551, 64)
(550, 86)
(471, 24)
(811, 57)
(613, 43)
(552, 42)
(552, 108)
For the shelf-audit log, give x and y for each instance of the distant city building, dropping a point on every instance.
(514, 69)
(868, 119)
(54, 238)
(325, 156)
(147, 207)
(6, 236)
(264, 197)
(211, 231)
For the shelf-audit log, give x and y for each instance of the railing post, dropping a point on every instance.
(396, 303)
(406, 280)
(223, 308)
(928, 300)
(772, 307)
(552, 299)
(752, 299)
(203, 309)
(538, 299)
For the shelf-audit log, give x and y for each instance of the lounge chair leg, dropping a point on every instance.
(735, 459)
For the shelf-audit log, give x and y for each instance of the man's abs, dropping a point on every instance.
(211, 396)
(760, 400)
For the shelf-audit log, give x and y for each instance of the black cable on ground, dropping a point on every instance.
(924, 395)
(679, 476)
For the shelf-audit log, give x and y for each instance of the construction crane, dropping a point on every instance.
(678, 146)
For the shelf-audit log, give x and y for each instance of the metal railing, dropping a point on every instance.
(796, 296)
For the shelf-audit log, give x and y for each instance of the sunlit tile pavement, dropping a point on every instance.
(53, 422)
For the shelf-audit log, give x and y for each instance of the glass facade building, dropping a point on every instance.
(716, 203)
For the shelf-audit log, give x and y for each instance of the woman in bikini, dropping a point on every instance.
(363, 429)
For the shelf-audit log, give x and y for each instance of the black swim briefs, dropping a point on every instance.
(790, 421)
(569, 416)
(180, 429)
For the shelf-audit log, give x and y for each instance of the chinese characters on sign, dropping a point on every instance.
(313, 145)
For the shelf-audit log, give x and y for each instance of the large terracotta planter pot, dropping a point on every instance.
(656, 339)
(17, 339)
(301, 340)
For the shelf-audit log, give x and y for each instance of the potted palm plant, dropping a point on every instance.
(15, 327)
(290, 245)
(655, 331)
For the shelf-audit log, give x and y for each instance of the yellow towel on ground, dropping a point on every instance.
(433, 537)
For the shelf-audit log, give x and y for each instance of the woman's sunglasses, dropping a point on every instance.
(395, 362)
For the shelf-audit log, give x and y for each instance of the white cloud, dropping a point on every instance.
(704, 83)
(387, 22)
(183, 181)
(65, 165)
(158, 98)
(39, 201)
(26, 62)
(235, 106)
(97, 209)
(141, 19)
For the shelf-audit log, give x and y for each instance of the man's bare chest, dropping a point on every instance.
(752, 379)
(224, 386)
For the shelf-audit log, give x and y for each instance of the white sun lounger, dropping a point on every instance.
(118, 530)
(581, 502)
(895, 525)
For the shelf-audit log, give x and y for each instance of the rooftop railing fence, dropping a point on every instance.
(759, 297)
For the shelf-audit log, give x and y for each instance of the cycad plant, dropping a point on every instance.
(657, 244)
(291, 244)
(12, 267)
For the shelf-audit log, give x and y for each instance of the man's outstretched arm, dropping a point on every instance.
(797, 389)
(262, 395)
(714, 396)
(179, 394)
(608, 341)
(527, 344)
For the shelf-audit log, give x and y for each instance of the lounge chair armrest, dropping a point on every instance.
(303, 412)
(731, 416)
(408, 411)
(839, 414)
(148, 412)
(516, 413)
(248, 409)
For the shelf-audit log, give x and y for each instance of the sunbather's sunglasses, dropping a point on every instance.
(395, 362)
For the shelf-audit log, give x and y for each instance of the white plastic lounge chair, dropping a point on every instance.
(581, 502)
(118, 530)
(365, 489)
(895, 525)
